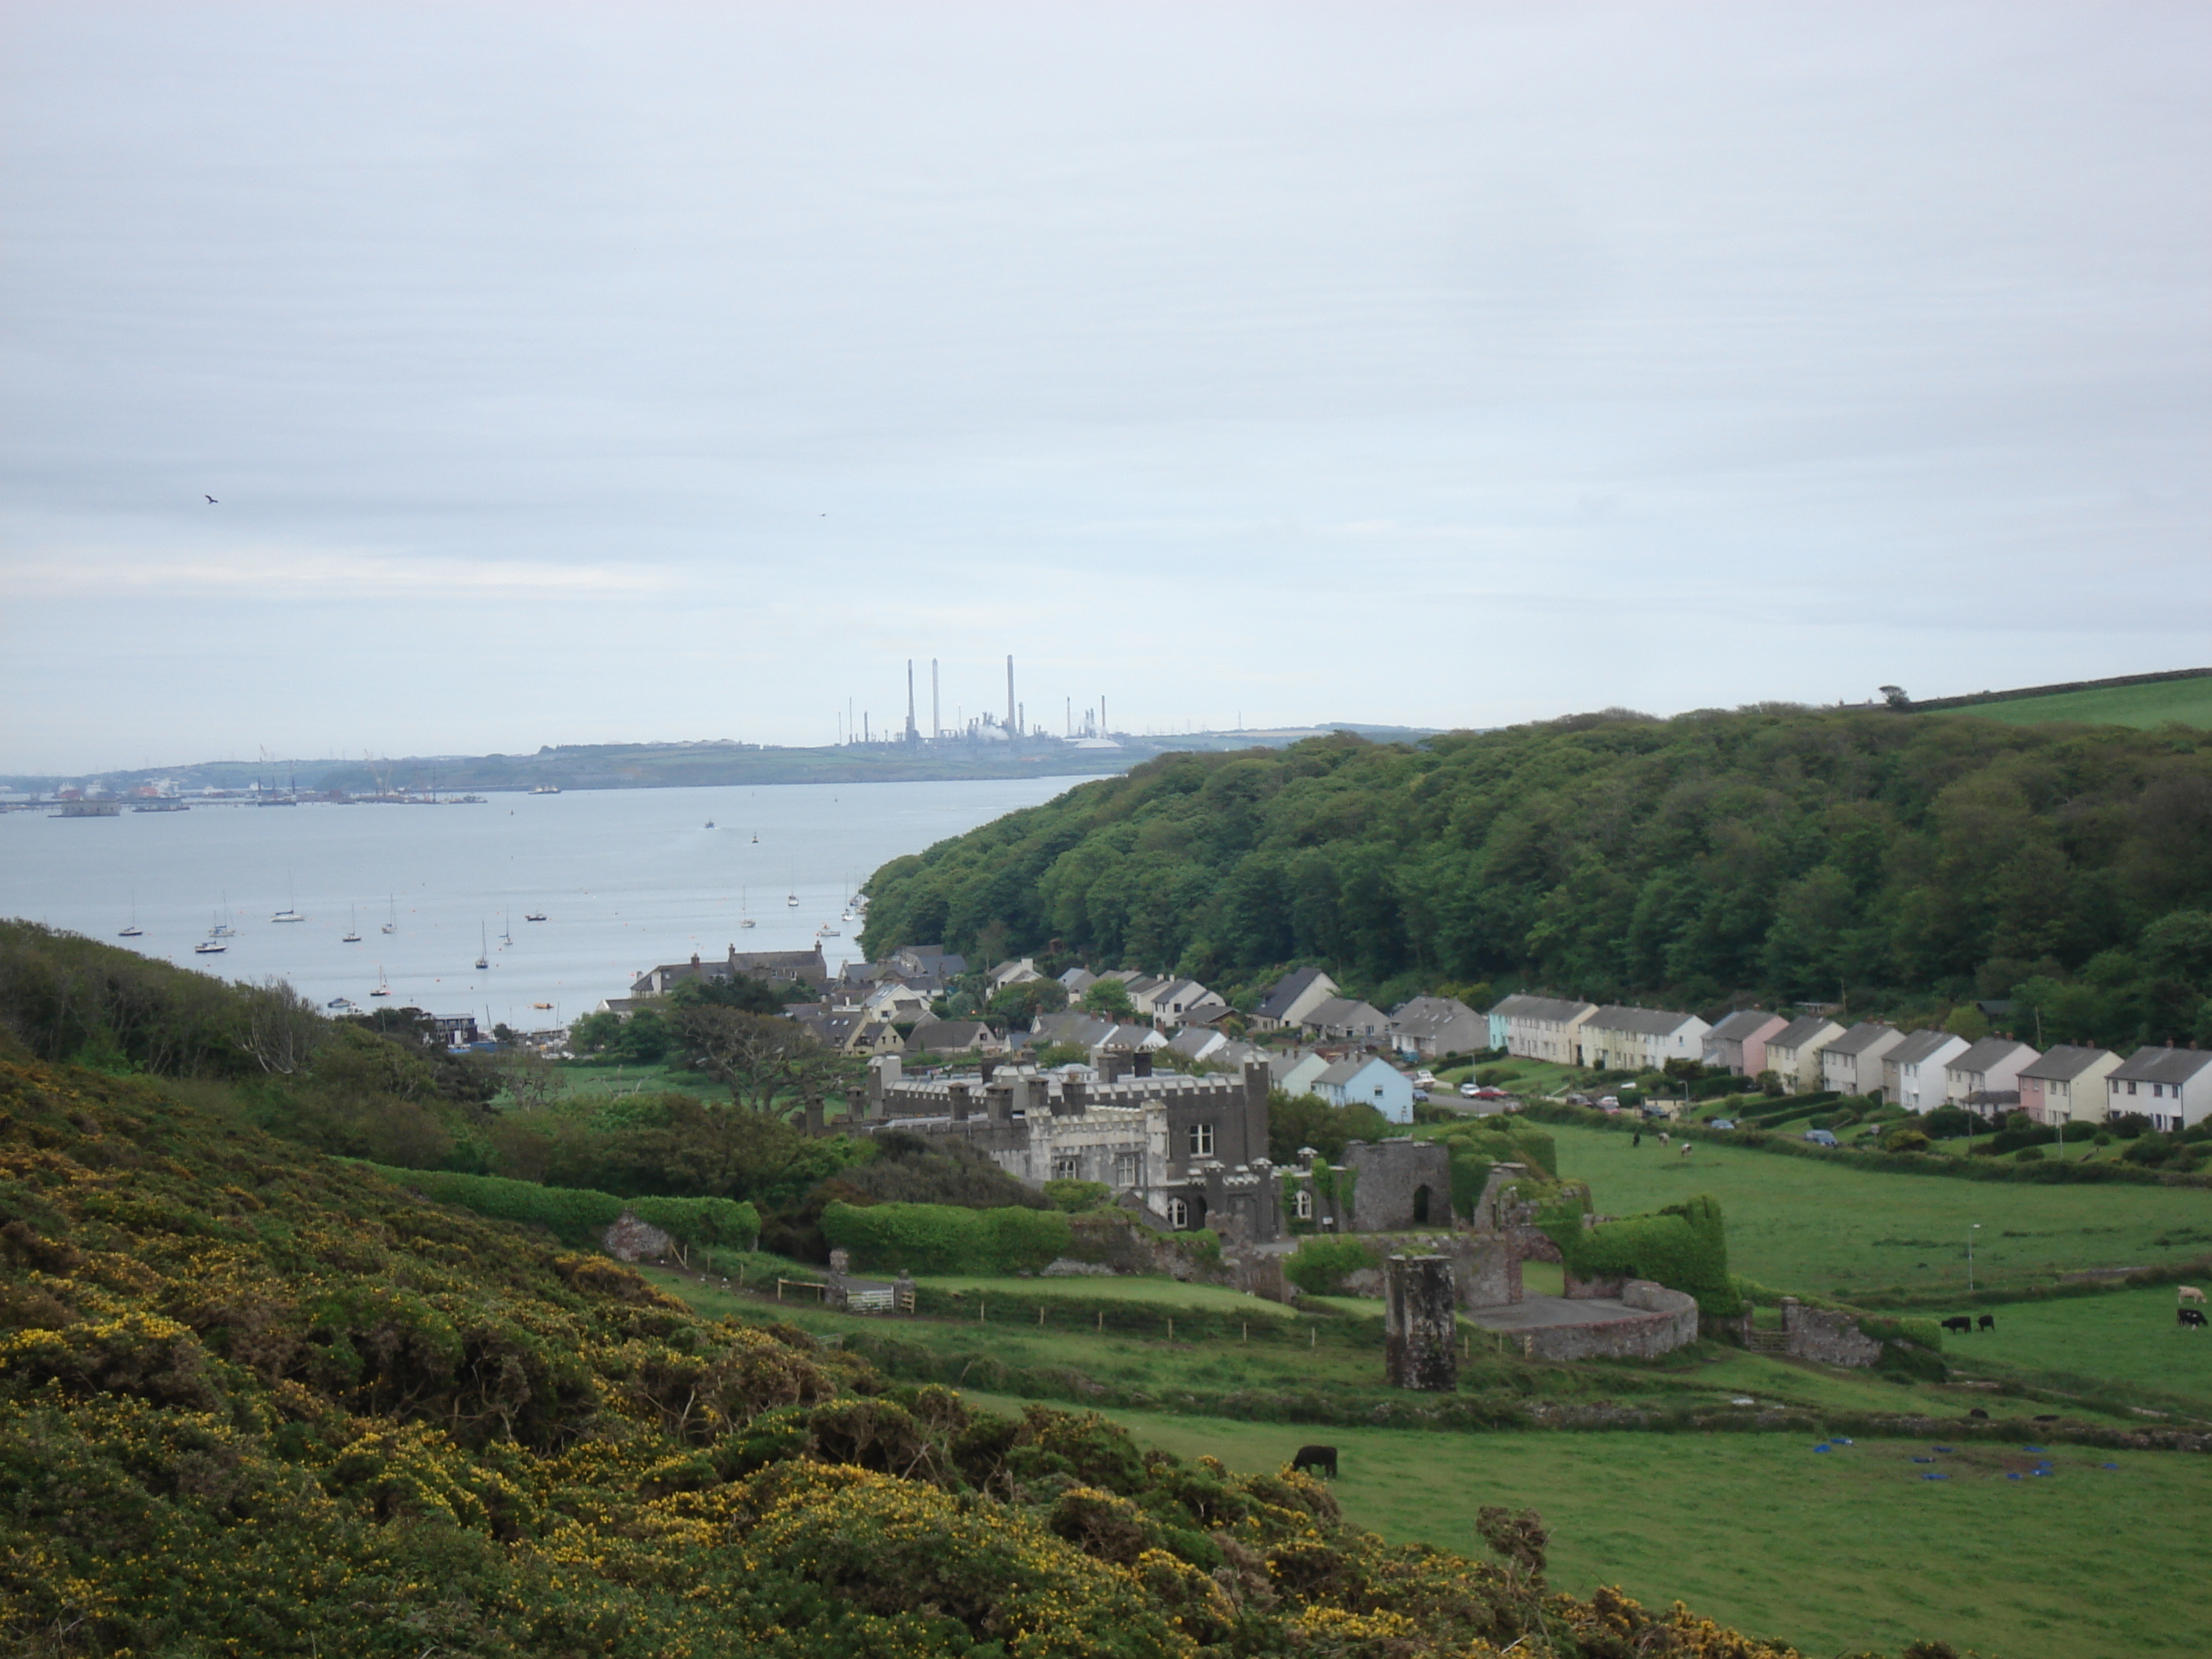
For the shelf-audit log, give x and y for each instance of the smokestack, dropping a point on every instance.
(936, 719)
(1103, 727)
(1010, 693)
(911, 734)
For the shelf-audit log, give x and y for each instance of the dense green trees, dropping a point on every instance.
(1916, 860)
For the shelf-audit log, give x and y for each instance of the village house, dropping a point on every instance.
(1793, 1053)
(1291, 998)
(1173, 1002)
(2066, 1085)
(1620, 1039)
(1294, 1072)
(1541, 1028)
(1738, 1043)
(848, 1033)
(953, 1036)
(1346, 1019)
(1912, 1072)
(1019, 971)
(1430, 1027)
(1078, 981)
(929, 967)
(1851, 1065)
(1198, 1042)
(1367, 1080)
(2173, 1087)
(805, 967)
(1984, 1077)
(1069, 1028)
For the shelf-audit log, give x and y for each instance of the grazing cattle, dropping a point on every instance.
(1959, 1322)
(2190, 1293)
(1687, 1149)
(2190, 1318)
(1978, 1411)
(1321, 1460)
(1988, 1322)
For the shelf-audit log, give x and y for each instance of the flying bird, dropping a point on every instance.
(211, 500)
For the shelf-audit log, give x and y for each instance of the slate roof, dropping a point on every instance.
(1798, 1032)
(1285, 991)
(2163, 1064)
(1556, 1010)
(1644, 1022)
(1990, 1051)
(1740, 1025)
(2063, 1063)
(1916, 1046)
(1861, 1037)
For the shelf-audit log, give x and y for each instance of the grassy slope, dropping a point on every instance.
(2189, 701)
(1836, 1551)
(2127, 1337)
(1797, 1223)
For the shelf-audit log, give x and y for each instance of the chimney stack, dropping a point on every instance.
(911, 734)
(1009, 692)
(936, 718)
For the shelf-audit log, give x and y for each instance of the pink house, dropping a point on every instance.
(1738, 1043)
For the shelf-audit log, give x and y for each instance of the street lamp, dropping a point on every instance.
(1972, 1228)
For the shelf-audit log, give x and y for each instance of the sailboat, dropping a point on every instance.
(222, 929)
(391, 924)
(383, 987)
(506, 939)
(288, 912)
(483, 948)
(209, 946)
(744, 919)
(353, 927)
(134, 930)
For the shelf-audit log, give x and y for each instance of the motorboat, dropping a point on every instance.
(547, 789)
(534, 916)
(342, 1005)
(792, 901)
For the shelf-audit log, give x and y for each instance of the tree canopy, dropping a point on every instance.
(1783, 852)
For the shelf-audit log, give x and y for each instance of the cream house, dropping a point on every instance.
(1541, 1028)
(1851, 1065)
(1793, 1053)
(2066, 1085)
(1617, 1039)
(1912, 1072)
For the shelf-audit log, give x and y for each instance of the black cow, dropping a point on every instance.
(1959, 1322)
(1978, 1411)
(2190, 1318)
(1988, 1322)
(1321, 1460)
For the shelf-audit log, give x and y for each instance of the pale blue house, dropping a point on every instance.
(1367, 1080)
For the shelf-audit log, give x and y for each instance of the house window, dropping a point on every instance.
(1065, 1167)
(1178, 1214)
(2131, 1087)
(1201, 1140)
(1128, 1168)
(1302, 1205)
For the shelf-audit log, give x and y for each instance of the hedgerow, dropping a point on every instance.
(577, 1215)
(944, 1238)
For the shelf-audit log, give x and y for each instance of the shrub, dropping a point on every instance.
(2028, 1155)
(1077, 1196)
(1905, 1140)
(577, 1215)
(1683, 1246)
(1321, 1265)
(942, 1238)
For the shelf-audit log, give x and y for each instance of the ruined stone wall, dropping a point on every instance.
(1420, 1323)
(1665, 1321)
(1389, 1179)
(1821, 1334)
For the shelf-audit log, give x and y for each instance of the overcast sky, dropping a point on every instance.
(631, 371)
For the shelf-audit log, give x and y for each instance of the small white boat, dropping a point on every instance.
(710, 824)
(792, 901)
(341, 1004)
(383, 988)
(547, 789)
(288, 915)
(209, 947)
(825, 930)
(534, 916)
(133, 932)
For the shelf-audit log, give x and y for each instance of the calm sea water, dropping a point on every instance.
(627, 878)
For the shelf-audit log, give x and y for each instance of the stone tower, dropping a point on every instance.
(1420, 1323)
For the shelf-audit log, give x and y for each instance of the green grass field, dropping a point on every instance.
(2128, 1338)
(1836, 1551)
(1801, 1224)
(1169, 1293)
(2189, 701)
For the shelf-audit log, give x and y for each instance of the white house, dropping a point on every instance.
(1291, 998)
(1541, 1028)
(1431, 1026)
(1198, 1042)
(1912, 1072)
(1793, 1053)
(2066, 1085)
(1294, 1074)
(2173, 1087)
(1617, 1039)
(1367, 1080)
(1174, 1001)
(1346, 1019)
(1019, 971)
(1851, 1065)
(1985, 1075)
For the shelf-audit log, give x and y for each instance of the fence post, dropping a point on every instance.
(1039, 1315)
(1101, 1321)
(1170, 1330)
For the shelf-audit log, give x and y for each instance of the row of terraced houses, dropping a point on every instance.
(1919, 1070)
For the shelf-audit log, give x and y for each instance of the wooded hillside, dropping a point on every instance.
(1785, 853)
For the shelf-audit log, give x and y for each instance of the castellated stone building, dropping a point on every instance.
(1192, 1151)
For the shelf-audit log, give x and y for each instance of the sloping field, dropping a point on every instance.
(2189, 701)
(1836, 1552)
(1802, 1225)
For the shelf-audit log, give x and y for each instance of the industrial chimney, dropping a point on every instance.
(1010, 693)
(936, 719)
(912, 736)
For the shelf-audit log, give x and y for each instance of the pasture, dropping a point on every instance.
(2124, 1337)
(1805, 1224)
(2189, 701)
(1836, 1551)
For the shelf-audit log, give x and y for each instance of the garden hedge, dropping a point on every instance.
(944, 1238)
(578, 1215)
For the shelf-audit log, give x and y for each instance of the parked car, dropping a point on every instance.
(1604, 1100)
(1491, 1094)
(1820, 1138)
(1469, 1091)
(1424, 1079)
(1655, 1112)
(1722, 1123)
(1578, 1100)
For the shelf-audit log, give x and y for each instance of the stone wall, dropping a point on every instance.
(1824, 1334)
(1664, 1321)
(1420, 1323)
(1399, 1184)
(629, 1239)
